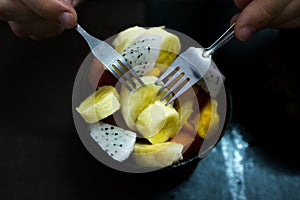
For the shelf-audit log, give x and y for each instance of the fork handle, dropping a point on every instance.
(228, 35)
(91, 40)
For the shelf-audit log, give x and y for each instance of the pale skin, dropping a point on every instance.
(259, 14)
(40, 19)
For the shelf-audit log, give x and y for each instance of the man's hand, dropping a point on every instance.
(38, 19)
(259, 14)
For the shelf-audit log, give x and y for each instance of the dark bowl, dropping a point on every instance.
(153, 179)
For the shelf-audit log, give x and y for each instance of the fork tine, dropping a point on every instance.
(181, 91)
(125, 84)
(131, 70)
(174, 87)
(169, 70)
(125, 74)
(119, 78)
(171, 80)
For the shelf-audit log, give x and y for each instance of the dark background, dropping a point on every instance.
(42, 157)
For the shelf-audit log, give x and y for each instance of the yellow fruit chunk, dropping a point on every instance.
(155, 72)
(157, 155)
(158, 122)
(209, 119)
(126, 37)
(133, 103)
(169, 47)
(99, 105)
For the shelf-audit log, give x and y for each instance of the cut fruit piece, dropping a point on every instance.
(125, 38)
(133, 103)
(116, 142)
(147, 48)
(208, 121)
(157, 155)
(99, 105)
(158, 122)
(143, 53)
(169, 47)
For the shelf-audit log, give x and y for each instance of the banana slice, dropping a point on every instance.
(157, 155)
(133, 103)
(99, 105)
(158, 122)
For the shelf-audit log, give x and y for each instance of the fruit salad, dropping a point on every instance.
(136, 125)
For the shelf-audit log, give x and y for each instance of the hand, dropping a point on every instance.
(38, 19)
(259, 14)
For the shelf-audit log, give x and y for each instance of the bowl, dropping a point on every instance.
(87, 81)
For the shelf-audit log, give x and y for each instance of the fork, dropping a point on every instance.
(186, 67)
(111, 59)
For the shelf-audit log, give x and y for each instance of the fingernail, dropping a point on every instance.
(66, 19)
(245, 33)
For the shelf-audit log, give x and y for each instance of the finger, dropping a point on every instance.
(35, 30)
(58, 11)
(241, 3)
(288, 17)
(16, 10)
(257, 15)
(234, 18)
(293, 23)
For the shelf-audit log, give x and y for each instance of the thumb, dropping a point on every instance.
(59, 11)
(257, 15)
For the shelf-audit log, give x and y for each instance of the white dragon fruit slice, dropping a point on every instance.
(115, 141)
(142, 53)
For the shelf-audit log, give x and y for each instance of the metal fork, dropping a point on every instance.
(190, 66)
(112, 60)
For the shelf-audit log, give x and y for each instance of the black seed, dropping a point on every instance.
(146, 62)
(101, 129)
(144, 67)
(143, 40)
(116, 151)
(126, 59)
(149, 48)
(115, 144)
(116, 133)
(106, 139)
(106, 133)
(137, 47)
(121, 145)
(123, 54)
(138, 56)
(134, 43)
(141, 54)
(130, 62)
(116, 138)
(106, 129)
(112, 128)
(112, 154)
